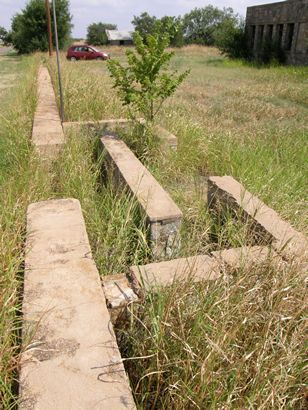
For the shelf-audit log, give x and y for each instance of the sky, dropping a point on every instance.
(121, 12)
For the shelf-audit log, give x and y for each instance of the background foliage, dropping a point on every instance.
(96, 33)
(29, 27)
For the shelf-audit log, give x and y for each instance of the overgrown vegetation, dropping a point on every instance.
(22, 182)
(238, 342)
(235, 343)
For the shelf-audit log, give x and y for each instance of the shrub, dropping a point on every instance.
(144, 84)
(231, 39)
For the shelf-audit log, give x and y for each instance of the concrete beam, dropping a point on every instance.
(226, 192)
(97, 125)
(198, 268)
(47, 132)
(162, 215)
(245, 256)
(122, 290)
(70, 358)
(167, 139)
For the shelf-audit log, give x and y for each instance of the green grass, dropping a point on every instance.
(230, 118)
(236, 343)
(22, 182)
(115, 226)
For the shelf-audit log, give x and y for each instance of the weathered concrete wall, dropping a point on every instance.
(226, 192)
(71, 358)
(276, 21)
(47, 133)
(162, 214)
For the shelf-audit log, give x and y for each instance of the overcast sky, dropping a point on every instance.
(121, 12)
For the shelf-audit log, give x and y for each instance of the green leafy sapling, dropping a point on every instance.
(146, 81)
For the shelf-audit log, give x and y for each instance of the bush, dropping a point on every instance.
(271, 53)
(231, 39)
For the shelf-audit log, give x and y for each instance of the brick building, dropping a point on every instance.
(285, 23)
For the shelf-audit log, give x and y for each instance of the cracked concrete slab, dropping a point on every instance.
(70, 357)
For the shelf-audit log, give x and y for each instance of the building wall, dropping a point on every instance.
(120, 42)
(286, 23)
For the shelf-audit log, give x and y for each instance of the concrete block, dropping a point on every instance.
(226, 192)
(168, 139)
(121, 291)
(162, 215)
(70, 358)
(97, 125)
(47, 132)
(197, 268)
(245, 256)
(118, 293)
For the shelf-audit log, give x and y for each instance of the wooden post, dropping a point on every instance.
(48, 27)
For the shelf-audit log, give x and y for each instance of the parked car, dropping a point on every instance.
(85, 52)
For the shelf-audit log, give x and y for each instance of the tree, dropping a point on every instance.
(145, 82)
(144, 24)
(173, 27)
(170, 25)
(29, 28)
(96, 33)
(230, 37)
(200, 24)
(5, 36)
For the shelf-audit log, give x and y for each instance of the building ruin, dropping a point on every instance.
(285, 24)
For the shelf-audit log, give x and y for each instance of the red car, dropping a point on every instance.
(84, 52)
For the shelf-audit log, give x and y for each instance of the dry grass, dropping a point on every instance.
(236, 343)
(22, 182)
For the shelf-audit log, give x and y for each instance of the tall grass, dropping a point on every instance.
(116, 228)
(235, 343)
(230, 118)
(238, 343)
(22, 182)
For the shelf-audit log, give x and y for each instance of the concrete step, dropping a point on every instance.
(155, 275)
(71, 359)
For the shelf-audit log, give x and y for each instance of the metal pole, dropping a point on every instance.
(58, 60)
(48, 27)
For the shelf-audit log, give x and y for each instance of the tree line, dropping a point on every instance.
(209, 26)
